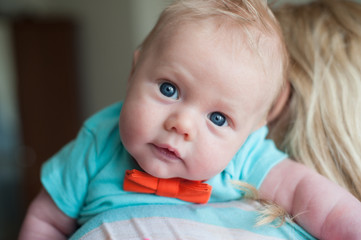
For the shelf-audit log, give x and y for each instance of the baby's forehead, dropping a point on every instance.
(262, 48)
(246, 47)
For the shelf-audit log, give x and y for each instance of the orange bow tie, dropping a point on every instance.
(186, 190)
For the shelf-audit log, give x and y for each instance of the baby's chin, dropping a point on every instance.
(162, 173)
(165, 172)
(168, 176)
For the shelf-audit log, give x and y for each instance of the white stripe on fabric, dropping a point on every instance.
(164, 228)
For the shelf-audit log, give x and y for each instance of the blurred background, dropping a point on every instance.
(60, 62)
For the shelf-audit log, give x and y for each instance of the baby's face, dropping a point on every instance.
(191, 103)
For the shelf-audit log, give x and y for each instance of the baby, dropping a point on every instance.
(201, 88)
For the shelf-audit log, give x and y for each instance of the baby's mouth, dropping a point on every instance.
(167, 152)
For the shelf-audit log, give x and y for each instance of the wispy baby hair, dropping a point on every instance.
(322, 125)
(237, 15)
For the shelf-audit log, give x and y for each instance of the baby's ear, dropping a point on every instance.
(135, 57)
(280, 102)
(134, 62)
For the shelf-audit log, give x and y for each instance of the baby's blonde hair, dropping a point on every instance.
(321, 126)
(236, 16)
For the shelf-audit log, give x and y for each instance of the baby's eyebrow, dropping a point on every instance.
(171, 68)
(232, 110)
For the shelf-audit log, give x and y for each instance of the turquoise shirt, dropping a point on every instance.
(85, 177)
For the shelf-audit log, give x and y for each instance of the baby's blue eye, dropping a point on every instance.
(218, 119)
(169, 90)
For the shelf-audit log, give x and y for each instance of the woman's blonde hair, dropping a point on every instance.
(321, 125)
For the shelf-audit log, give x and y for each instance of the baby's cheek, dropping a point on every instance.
(212, 164)
(126, 128)
(221, 160)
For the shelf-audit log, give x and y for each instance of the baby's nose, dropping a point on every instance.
(183, 124)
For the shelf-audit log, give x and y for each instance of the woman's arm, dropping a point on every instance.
(324, 209)
(44, 220)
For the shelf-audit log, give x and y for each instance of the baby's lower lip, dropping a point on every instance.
(164, 153)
